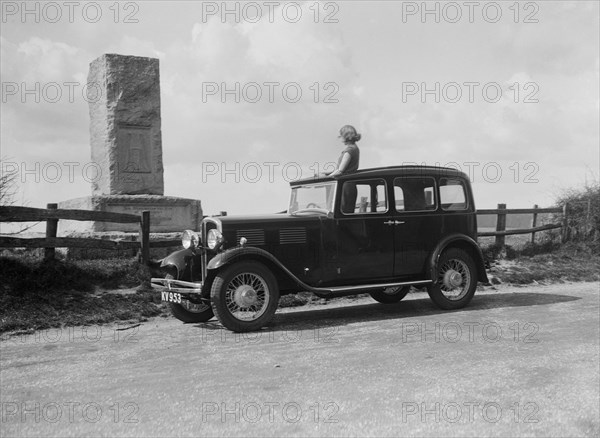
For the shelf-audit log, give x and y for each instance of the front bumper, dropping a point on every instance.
(172, 285)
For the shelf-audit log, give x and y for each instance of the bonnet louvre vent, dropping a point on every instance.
(254, 237)
(292, 235)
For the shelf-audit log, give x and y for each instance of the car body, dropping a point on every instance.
(379, 230)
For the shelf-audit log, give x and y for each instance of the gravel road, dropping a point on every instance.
(519, 361)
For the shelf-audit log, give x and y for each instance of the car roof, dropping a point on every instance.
(435, 171)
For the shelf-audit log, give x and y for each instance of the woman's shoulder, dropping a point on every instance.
(351, 148)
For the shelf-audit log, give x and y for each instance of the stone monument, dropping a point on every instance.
(125, 137)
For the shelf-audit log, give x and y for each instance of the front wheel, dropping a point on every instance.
(456, 280)
(245, 296)
(390, 295)
(190, 312)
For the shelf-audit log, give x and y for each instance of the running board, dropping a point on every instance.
(340, 291)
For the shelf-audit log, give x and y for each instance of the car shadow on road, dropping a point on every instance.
(315, 317)
(409, 308)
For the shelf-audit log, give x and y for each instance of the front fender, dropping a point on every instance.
(252, 253)
(232, 254)
(461, 241)
(178, 259)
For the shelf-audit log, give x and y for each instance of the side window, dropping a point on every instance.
(364, 197)
(414, 194)
(452, 194)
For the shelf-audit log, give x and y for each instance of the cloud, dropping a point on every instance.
(264, 82)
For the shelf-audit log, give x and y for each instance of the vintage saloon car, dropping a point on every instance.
(376, 230)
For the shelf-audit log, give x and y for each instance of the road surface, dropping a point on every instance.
(517, 362)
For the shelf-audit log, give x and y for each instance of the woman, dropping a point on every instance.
(348, 160)
(347, 163)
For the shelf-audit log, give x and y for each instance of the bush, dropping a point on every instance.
(497, 252)
(583, 215)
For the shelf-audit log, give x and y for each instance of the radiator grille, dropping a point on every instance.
(254, 237)
(292, 235)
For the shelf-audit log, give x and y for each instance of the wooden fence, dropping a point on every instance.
(52, 215)
(501, 212)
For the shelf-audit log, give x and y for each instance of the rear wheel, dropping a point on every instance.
(245, 296)
(190, 312)
(456, 280)
(390, 295)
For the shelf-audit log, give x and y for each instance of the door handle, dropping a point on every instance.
(393, 222)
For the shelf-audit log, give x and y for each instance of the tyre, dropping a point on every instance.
(390, 295)
(456, 280)
(190, 312)
(245, 296)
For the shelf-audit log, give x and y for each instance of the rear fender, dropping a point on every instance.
(458, 241)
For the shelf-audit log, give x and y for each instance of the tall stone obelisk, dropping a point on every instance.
(125, 137)
(125, 125)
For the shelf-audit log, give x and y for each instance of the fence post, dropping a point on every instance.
(501, 225)
(145, 236)
(51, 229)
(534, 223)
(565, 223)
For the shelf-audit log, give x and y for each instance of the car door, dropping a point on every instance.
(418, 224)
(364, 232)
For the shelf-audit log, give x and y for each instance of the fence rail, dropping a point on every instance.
(28, 214)
(52, 215)
(501, 212)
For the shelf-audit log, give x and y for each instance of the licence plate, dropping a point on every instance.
(171, 297)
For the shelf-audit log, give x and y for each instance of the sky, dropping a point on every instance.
(253, 94)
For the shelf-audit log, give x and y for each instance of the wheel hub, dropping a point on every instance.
(245, 296)
(452, 279)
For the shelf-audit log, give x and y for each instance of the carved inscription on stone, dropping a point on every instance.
(135, 149)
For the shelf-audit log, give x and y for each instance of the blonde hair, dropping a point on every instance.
(349, 134)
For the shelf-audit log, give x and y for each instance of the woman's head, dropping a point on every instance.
(348, 134)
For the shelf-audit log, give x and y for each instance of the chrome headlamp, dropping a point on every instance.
(190, 239)
(214, 239)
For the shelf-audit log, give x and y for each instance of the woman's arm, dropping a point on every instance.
(343, 165)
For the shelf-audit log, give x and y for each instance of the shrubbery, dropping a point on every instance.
(583, 215)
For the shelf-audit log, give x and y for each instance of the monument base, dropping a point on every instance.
(168, 214)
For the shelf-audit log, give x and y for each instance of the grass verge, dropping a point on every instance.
(543, 263)
(36, 295)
